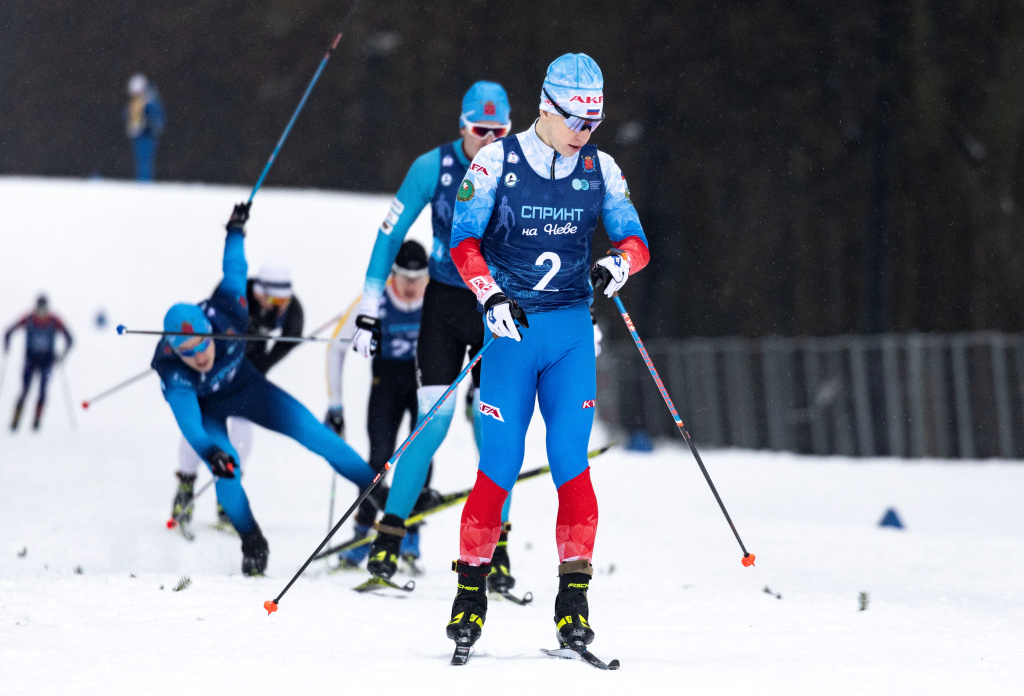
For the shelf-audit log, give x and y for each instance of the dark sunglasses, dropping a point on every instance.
(576, 124)
(197, 348)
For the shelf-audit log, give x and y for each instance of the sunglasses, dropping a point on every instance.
(576, 124)
(274, 301)
(482, 130)
(197, 348)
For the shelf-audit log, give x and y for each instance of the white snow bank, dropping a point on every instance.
(670, 599)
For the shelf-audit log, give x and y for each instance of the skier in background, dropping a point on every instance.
(273, 311)
(144, 123)
(451, 325)
(41, 328)
(393, 391)
(558, 185)
(205, 381)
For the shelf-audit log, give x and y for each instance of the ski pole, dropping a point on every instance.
(748, 558)
(271, 604)
(3, 370)
(328, 324)
(124, 330)
(451, 500)
(302, 102)
(175, 519)
(116, 388)
(67, 396)
(330, 510)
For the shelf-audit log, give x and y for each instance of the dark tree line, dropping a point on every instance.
(801, 167)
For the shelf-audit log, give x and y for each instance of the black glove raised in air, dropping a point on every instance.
(239, 216)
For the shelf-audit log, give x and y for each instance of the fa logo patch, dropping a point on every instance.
(492, 411)
(588, 163)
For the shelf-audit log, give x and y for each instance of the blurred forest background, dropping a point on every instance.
(802, 168)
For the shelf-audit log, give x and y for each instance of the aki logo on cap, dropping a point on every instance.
(466, 191)
(490, 109)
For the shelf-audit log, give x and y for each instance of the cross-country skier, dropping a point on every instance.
(393, 391)
(41, 329)
(451, 325)
(273, 311)
(205, 381)
(557, 186)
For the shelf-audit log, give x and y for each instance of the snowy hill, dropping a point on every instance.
(87, 566)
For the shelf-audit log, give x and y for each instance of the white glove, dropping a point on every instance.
(597, 339)
(367, 336)
(612, 270)
(501, 314)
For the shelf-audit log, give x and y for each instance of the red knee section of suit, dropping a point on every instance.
(576, 526)
(481, 521)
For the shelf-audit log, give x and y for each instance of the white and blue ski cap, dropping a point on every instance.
(485, 101)
(576, 84)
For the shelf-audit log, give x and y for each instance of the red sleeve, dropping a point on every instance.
(473, 269)
(636, 250)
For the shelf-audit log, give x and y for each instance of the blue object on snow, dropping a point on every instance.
(891, 519)
(410, 545)
(640, 441)
(101, 319)
(121, 328)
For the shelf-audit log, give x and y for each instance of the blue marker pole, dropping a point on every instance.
(302, 103)
(748, 558)
(271, 604)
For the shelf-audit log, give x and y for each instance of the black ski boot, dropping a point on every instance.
(572, 613)
(470, 606)
(255, 551)
(16, 416)
(500, 580)
(180, 509)
(384, 554)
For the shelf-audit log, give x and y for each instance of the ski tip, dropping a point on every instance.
(121, 328)
(748, 560)
(171, 523)
(85, 405)
(271, 606)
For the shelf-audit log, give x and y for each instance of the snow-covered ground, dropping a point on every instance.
(87, 566)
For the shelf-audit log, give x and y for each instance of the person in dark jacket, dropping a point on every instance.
(41, 329)
(144, 123)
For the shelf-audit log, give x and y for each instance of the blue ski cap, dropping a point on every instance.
(576, 84)
(485, 101)
(188, 318)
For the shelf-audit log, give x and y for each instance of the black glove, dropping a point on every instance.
(239, 216)
(222, 464)
(335, 420)
(599, 277)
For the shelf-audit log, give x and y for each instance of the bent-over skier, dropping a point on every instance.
(206, 380)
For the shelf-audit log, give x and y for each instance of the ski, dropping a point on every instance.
(521, 601)
(378, 583)
(579, 651)
(461, 655)
(446, 502)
